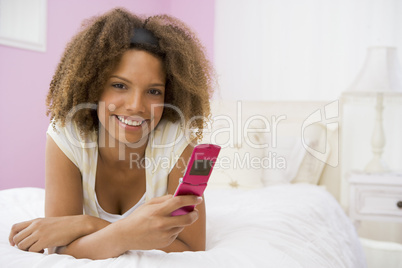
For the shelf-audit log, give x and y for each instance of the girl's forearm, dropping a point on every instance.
(105, 243)
(111, 241)
(94, 224)
(85, 225)
(177, 246)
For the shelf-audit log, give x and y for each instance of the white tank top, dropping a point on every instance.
(115, 217)
(165, 145)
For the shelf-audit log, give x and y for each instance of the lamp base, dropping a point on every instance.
(376, 165)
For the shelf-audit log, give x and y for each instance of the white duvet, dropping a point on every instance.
(280, 226)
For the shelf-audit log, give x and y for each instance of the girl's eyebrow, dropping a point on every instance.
(157, 85)
(122, 78)
(128, 81)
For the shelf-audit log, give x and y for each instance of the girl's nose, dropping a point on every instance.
(134, 102)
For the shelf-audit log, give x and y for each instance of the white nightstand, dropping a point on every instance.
(375, 197)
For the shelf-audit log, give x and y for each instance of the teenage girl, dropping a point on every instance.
(123, 101)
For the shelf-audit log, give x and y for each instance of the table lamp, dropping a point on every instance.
(380, 76)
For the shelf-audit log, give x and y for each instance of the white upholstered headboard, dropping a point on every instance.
(309, 126)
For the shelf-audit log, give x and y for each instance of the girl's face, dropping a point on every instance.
(133, 97)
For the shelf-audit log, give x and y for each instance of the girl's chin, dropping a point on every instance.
(133, 142)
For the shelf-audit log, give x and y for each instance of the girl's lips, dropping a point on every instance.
(132, 127)
(131, 118)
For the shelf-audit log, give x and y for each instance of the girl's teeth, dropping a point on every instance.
(129, 122)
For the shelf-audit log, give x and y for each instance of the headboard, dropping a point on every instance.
(306, 132)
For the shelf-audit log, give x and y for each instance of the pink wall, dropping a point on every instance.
(201, 16)
(25, 76)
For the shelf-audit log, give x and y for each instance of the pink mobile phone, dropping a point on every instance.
(197, 173)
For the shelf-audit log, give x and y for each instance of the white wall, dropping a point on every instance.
(312, 50)
(299, 50)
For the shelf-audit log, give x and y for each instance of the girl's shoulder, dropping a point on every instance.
(168, 140)
(70, 134)
(78, 148)
(169, 133)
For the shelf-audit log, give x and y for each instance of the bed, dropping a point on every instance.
(258, 215)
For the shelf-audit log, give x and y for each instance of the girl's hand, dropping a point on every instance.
(38, 234)
(151, 226)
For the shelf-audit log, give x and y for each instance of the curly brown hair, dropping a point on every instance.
(95, 51)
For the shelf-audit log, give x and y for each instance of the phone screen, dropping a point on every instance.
(201, 167)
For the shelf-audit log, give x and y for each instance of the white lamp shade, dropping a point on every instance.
(381, 72)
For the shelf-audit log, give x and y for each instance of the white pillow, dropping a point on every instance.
(238, 164)
(316, 139)
(293, 160)
(285, 157)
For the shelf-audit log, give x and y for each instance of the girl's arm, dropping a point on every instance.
(38, 234)
(63, 195)
(192, 238)
(64, 221)
(150, 226)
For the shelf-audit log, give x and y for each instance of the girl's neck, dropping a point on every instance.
(123, 156)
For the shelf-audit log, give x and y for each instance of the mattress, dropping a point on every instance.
(290, 225)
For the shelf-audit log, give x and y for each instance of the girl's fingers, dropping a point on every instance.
(21, 235)
(15, 229)
(160, 199)
(183, 220)
(176, 231)
(177, 202)
(26, 243)
(36, 247)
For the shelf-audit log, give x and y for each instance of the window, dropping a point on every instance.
(23, 24)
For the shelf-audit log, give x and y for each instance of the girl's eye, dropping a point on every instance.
(155, 92)
(119, 86)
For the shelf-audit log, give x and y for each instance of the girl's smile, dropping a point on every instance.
(129, 123)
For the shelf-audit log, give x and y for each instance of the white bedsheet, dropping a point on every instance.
(280, 226)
